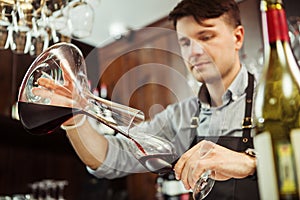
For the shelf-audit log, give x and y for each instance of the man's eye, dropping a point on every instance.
(206, 37)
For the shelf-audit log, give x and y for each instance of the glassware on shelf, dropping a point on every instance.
(5, 197)
(61, 185)
(59, 19)
(5, 23)
(81, 18)
(39, 39)
(19, 30)
(294, 33)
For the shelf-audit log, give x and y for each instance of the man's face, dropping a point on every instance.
(210, 50)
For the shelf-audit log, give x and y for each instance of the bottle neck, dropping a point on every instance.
(276, 22)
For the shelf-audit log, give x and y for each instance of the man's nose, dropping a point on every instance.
(196, 48)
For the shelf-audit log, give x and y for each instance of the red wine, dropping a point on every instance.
(42, 119)
(139, 146)
(158, 163)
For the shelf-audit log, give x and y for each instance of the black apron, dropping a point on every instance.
(236, 189)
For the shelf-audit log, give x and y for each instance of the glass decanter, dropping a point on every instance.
(57, 78)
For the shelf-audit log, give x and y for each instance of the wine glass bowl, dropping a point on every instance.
(158, 155)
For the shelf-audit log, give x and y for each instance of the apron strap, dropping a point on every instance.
(248, 120)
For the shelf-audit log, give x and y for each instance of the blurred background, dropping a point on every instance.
(115, 36)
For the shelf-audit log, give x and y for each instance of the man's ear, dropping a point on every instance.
(239, 36)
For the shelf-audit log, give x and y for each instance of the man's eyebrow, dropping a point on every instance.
(183, 39)
(199, 33)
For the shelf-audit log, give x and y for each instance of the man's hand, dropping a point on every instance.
(207, 155)
(64, 95)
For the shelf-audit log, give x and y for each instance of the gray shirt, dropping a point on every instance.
(174, 124)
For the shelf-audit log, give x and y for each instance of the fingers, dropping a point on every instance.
(59, 95)
(193, 163)
(202, 149)
(55, 99)
(46, 82)
(51, 85)
(193, 173)
(66, 76)
(179, 166)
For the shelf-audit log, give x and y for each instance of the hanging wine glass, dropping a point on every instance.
(39, 39)
(59, 21)
(81, 18)
(5, 22)
(5, 197)
(59, 75)
(294, 33)
(20, 32)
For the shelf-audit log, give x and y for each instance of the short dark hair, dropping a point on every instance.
(207, 9)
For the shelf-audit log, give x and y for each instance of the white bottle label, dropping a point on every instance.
(266, 167)
(295, 140)
(173, 188)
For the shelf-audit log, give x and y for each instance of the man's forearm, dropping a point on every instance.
(90, 146)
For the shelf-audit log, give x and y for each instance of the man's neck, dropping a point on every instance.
(217, 88)
(216, 92)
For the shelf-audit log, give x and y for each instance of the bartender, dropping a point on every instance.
(210, 36)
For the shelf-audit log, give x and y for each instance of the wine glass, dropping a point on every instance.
(20, 197)
(61, 186)
(294, 33)
(20, 29)
(81, 18)
(56, 83)
(5, 198)
(158, 155)
(39, 39)
(5, 22)
(59, 23)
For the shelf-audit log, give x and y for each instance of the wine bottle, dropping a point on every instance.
(173, 189)
(277, 107)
